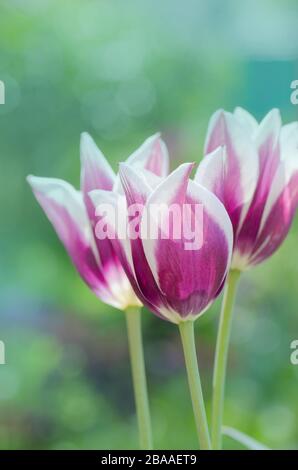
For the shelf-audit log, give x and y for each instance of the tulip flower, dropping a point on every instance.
(72, 215)
(175, 280)
(253, 169)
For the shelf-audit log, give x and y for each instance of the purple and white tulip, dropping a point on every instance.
(253, 169)
(71, 212)
(175, 283)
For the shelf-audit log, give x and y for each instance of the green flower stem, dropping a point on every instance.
(221, 356)
(134, 331)
(188, 342)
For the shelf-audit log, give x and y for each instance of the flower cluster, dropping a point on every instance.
(246, 189)
(246, 184)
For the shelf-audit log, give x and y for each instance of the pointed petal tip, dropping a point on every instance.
(269, 128)
(221, 117)
(174, 185)
(220, 149)
(218, 115)
(187, 166)
(96, 171)
(85, 136)
(89, 148)
(157, 135)
(30, 179)
(151, 155)
(36, 182)
(33, 181)
(184, 170)
(190, 166)
(154, 137)
(220, 111)
(155, 140)
(275, 115)
(86, 141)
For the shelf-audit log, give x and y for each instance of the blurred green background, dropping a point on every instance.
(123, 70)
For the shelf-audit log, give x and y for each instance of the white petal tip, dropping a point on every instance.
(157, 135)
(30, 178)
(85, 136)
(36, 182)
(86, 142)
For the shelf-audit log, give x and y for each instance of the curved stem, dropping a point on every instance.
(134, 331)
(188, 342)
(221, 356)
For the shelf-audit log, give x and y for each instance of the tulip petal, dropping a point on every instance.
(137, 191)
(189, 278)
(112, 207)
(134, 183)
(266, 139)
(151, 157)
(211, 172)
(289, 145)
(277, 218)
(116, 222)
(152, 180)
(267, 142)
(96, 172)
(282, 198)
(65, 209)
(247, 120)
(242, 164)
